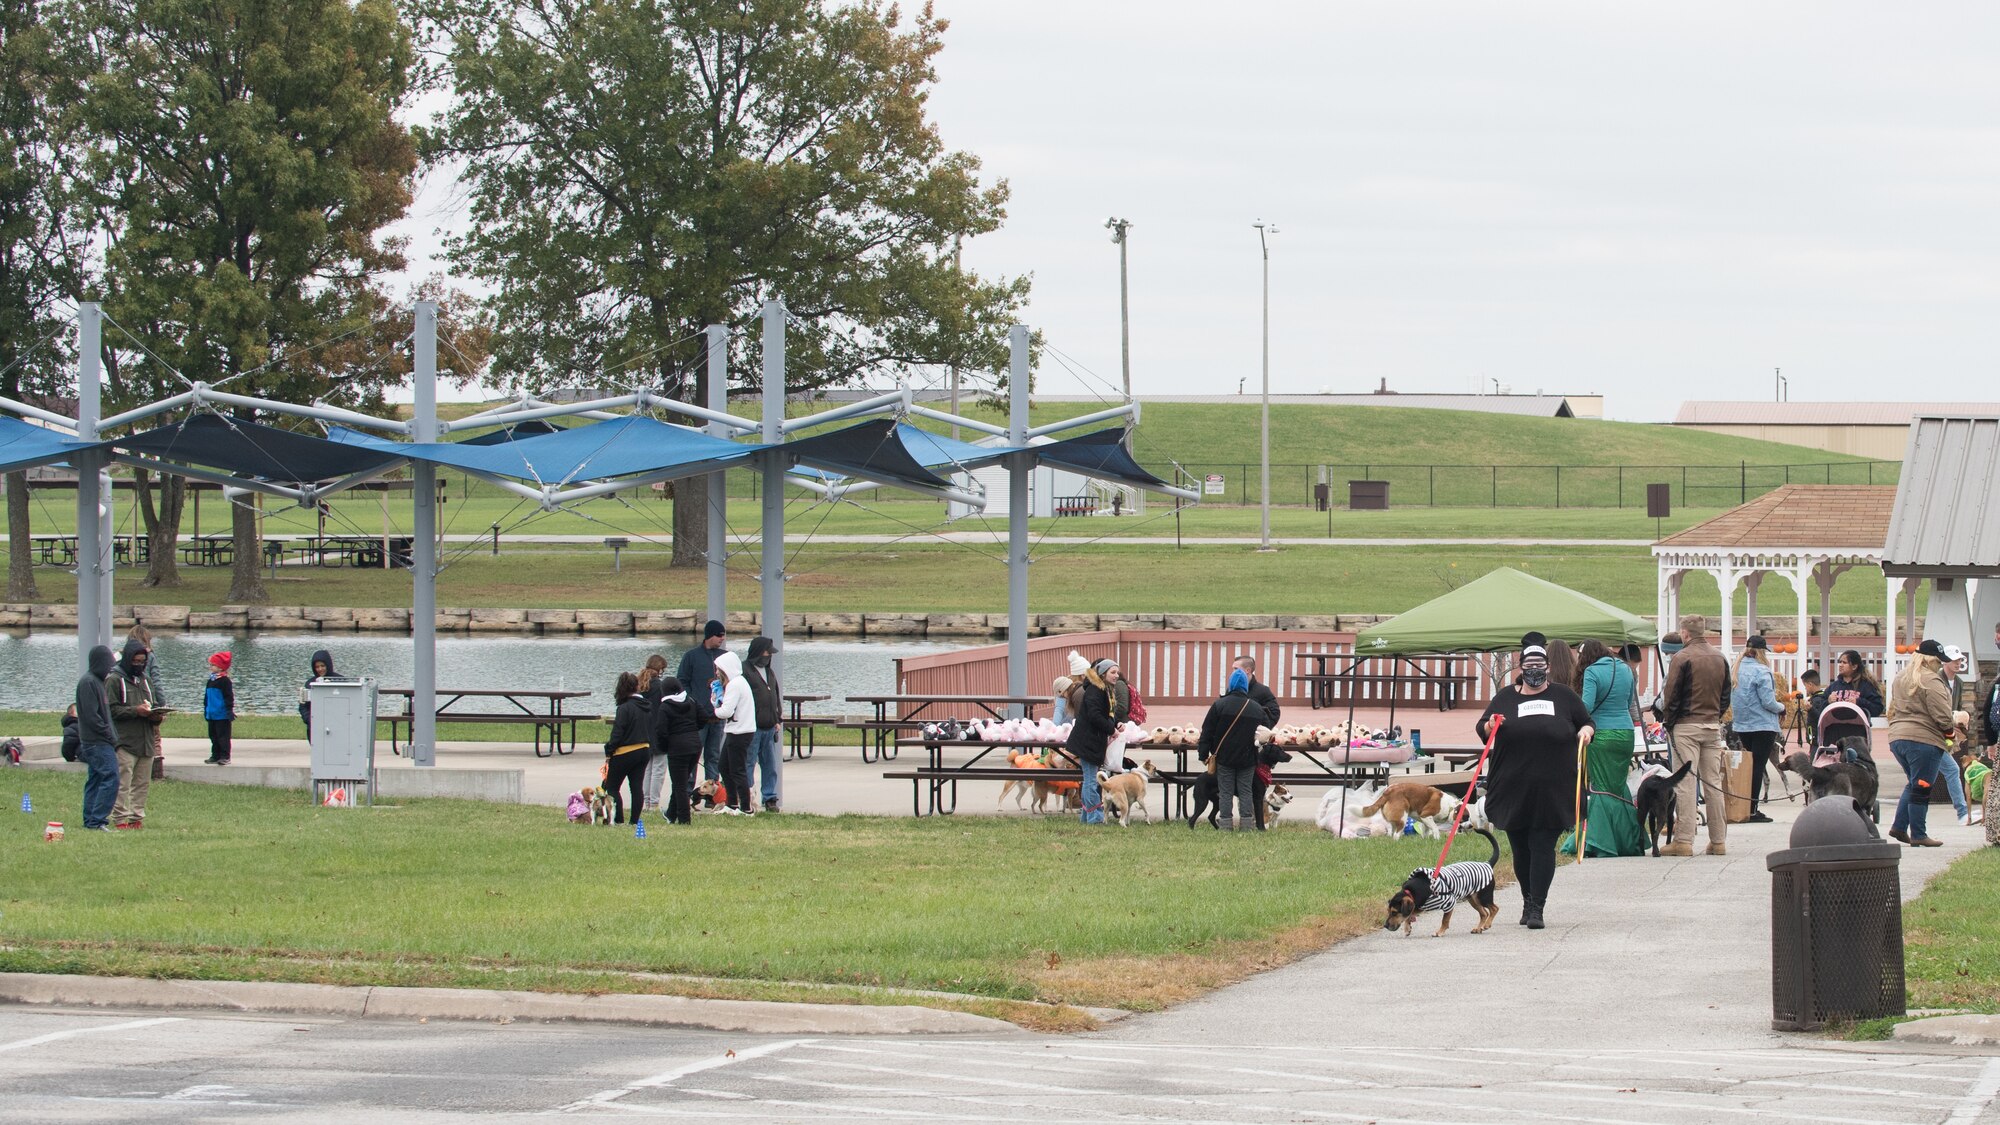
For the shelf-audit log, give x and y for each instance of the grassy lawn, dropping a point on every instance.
(1014, 916)
(1951, 937)
(932, 577)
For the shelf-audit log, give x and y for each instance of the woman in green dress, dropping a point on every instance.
(1608, 692)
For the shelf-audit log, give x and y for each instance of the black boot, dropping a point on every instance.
(1532, 916)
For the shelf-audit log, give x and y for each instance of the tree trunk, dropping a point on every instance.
(20, 552)
(163, 526)
(690, 498)
(246, 579)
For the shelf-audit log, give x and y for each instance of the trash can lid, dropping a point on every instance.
(1833, 819)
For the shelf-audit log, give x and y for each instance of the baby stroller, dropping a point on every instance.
(1842, 762)
(1843, 734)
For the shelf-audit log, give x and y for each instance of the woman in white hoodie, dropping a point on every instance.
(737, 711)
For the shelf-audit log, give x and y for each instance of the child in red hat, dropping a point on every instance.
(219, 705)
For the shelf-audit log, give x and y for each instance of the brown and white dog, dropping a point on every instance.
(1275, 800)
(1440, 892)
(1407, 799)
(1123, 792)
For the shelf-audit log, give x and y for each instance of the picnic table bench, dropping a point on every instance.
(942, 779)
(878, 740)
(551, 721)
(799, 725)
(1323, 688)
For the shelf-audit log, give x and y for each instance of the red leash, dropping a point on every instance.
(1492, 733)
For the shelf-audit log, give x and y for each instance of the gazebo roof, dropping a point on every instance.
(1811, 517)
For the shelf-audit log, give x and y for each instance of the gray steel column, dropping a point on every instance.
(1018, 468)
(93, 611)
(423, 556)
(772, 549)
(718, 483)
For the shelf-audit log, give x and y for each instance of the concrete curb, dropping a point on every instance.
(750, 1016)
(1954, 1031)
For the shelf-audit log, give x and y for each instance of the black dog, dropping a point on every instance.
(1466, 881)
(1854, 776)
(1656, 804)
(1207, 791)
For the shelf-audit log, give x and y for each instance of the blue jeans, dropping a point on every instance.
(1954, 783)
(1093, 801)
(711, 750)
(100, 785)
(764, 756)
(1920, 763)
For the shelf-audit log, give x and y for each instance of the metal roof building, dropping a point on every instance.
(1877, 430)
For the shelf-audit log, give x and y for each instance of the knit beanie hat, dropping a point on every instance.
(220, 662)
(1239, 680)
(1077, 664)
(713, 629)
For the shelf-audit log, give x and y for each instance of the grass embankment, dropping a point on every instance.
(1066, 578)
(1951, 937)
(1017, 918)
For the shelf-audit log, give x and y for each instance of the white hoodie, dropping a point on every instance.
(738, 711)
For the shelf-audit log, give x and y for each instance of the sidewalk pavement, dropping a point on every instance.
(1640, 953)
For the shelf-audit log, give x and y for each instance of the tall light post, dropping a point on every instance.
(1119, 228)
(1264, 244)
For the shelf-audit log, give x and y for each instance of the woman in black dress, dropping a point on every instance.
(1531, 775)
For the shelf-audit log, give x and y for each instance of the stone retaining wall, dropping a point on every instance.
(669, 622)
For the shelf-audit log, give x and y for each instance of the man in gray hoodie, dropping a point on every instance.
(97, 741)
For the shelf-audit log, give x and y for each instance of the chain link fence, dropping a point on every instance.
(1526, 486)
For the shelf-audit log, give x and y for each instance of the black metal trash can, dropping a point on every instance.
(1836, 920)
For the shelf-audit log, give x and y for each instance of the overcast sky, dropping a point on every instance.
(1649, 201)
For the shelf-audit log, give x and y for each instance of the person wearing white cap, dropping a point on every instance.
(1954, 774)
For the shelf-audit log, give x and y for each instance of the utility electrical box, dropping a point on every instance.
(341, 725)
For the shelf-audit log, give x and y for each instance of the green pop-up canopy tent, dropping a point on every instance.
(1490, 613)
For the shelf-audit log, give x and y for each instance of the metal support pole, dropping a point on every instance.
(773, 492)
(1121, 233)
(718, 483)
(1018, 468)
(93, 541)
(423, 548)
(1264, 501)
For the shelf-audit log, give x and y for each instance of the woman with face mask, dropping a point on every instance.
(1531, 775)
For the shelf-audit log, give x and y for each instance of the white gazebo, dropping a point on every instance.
(1807, 534)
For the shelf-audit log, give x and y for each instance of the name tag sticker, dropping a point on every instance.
(1535, 707)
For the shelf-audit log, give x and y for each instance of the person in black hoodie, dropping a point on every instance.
(97, 742)
(1229, 735)
(697, 674)
(629, 748)
(1260, 694)
(677, 735)
(1090, 732)
(652, 678)
(764, 744)
(322, 666)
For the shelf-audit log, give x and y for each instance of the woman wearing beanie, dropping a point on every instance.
(1531, 794)
(1229, 735)
(1090, 733)
(219, 706)
(1919, 723)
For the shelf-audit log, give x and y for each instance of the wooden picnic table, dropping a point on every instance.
(551, 717)
(880, 729)
(54, 550)
(799, 725)
(1321, 684)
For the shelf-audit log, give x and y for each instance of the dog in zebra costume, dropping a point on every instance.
(1440, 892)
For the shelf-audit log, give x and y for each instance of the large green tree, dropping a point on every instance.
(247, 156)
(638, 169)
(43, 240)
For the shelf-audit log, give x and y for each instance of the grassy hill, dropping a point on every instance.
(1449, 458)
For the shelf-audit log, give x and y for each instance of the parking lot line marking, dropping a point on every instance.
(1984, 1089)
(53, 1036)
(667, 1078)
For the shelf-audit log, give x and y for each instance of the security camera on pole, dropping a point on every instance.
(1119, 229)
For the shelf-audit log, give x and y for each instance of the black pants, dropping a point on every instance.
(736, 769)
(219, 738)
(1761, 744)
(680, 787)
(1534, 862)
(628, 771)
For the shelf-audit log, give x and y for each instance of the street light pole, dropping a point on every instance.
(1119, 229)
(1264, 244)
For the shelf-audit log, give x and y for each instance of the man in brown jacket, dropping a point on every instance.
(1695, 696)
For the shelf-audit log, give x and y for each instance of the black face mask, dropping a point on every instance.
(1534, 677)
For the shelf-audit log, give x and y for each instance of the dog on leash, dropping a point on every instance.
(1850, 775)
(1426, 893)
(1275, 800)
(1123, 792)
(1207, 791)
(1656, 804)
(1408, 799)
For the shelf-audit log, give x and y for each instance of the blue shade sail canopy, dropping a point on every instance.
(1100, 454)
(254, 451)
(599, 451)
(24, 445)
(936, 451)
(515, 432)
(873, 450)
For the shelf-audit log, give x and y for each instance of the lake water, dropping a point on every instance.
(38, 670)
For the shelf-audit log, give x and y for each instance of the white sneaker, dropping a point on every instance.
(1965, 819)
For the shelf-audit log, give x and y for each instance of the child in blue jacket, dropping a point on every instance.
(219, 706)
